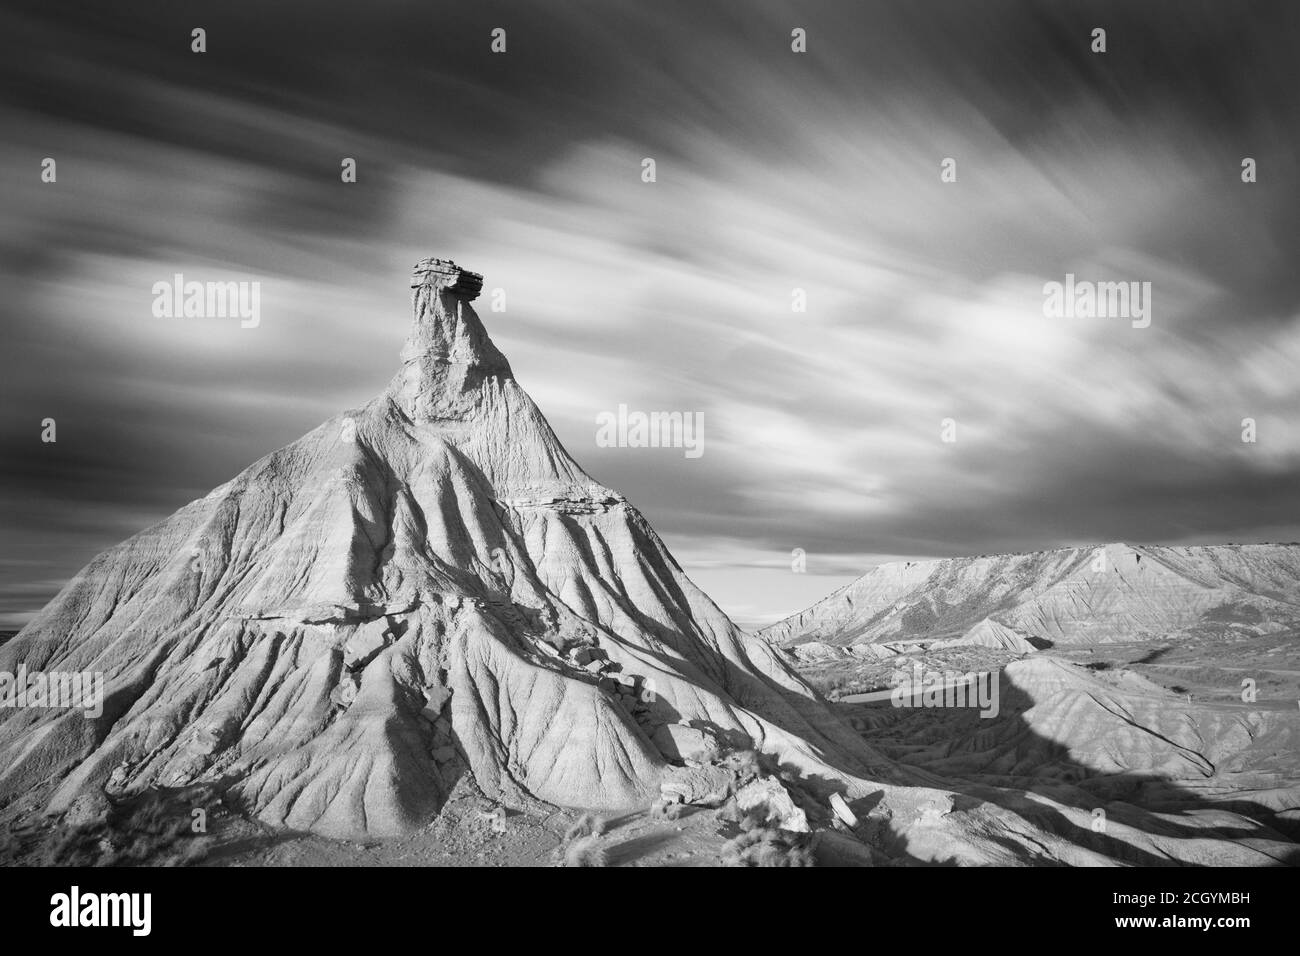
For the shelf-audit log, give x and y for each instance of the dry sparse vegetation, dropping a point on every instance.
(581, 843)
(586, 851)
(663, 810)
(586, 825)
(758, 844)
(153, 828)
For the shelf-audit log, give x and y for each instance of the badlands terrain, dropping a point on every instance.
(1145, 681)
(422, 634)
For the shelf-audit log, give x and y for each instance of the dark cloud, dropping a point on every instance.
(775, 171)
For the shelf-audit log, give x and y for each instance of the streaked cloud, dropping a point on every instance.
(774, 172)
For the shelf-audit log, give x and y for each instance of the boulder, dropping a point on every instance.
(704, 786)
(781, 811)
(841, 810)
(364, 646)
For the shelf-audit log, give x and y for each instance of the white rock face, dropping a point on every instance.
(364, 615)
(1072, 596)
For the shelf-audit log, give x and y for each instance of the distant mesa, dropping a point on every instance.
(1096, 595)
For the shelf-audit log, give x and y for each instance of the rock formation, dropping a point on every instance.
(1072, 596)
(421, 587)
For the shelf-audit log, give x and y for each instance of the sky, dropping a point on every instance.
(775, 171)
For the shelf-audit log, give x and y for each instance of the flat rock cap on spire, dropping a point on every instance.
(447, 276)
